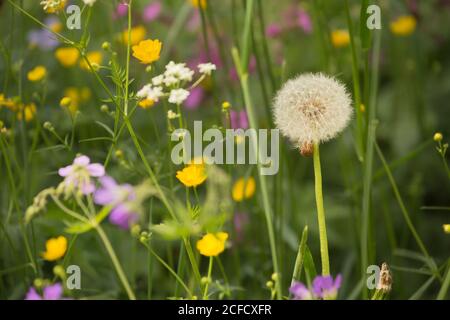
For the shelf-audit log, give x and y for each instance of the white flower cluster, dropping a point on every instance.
(170, 84)
(50, 4)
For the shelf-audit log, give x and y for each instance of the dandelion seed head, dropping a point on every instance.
(312, 108)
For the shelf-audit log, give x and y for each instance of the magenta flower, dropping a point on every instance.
(121, 198)
(79, 174)
(152, 11)
(304, 21)
(273, 30)
(239, 119)
(300, 292)
(195, 98)
(324, 287)
(51, 292)
(121, 10)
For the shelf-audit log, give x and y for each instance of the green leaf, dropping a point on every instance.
(104, 126)
(83, 227)
(310, 268)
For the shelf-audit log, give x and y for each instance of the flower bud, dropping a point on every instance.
(106, 46)
(438, 137)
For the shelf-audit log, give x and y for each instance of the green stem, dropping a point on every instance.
(115, 262)
(444, 289)
(356, 86)
(321, 213)
(127, 77)
(368, 159)
(180, 281)
(205, 293)
(406, 215)
(243, 76)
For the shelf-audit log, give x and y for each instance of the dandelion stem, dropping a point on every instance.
(321, 213)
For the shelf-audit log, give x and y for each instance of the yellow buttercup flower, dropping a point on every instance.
(68, 57)
(95, 59)
(198, 3)
(37, 74)
(446, 228)
(243, 189)
(192, 175)
(28, 111)
(340, 38)
(55, 248)
(403, 26)
(137, 34)
(212, 244)
(7, 102)
(147, 51)
(73, 97)
(146, 103)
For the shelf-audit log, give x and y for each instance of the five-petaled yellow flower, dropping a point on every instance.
(37, 74)
(243, 189)
(192, 175)
(147, 51)
(403, 26)
(340, 38)
(68, 57)
(55, 248)
(212, 244)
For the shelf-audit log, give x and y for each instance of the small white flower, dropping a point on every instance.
(312, 108)
(158, 80)
(170, 80)
(207, 68)
(172, 115)
(143, 93)
(178, 71)
(89, 2)
(177, 96)
(155, 94)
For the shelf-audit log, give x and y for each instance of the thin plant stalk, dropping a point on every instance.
(205, 292)
(243, 76)
(116, 263)
(321, 213)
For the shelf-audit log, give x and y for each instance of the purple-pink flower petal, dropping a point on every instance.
(152, 11)
(82, 160)
(96, 170)
(32, 295)
(53, 292)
